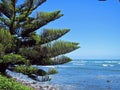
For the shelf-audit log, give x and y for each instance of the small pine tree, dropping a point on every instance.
(20, 45)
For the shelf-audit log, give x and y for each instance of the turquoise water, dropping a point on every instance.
(88, 75)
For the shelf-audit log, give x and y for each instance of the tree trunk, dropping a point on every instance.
(3, 68)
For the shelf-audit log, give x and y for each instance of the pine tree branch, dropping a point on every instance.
(13, 59)
(27, 8)
(37, 3)
(11, 27)
(49, 35)
(41, 20)
(5, 10)
(41, 55)
(24, 11)
(5, 21)
(57, 48)
(6, 39)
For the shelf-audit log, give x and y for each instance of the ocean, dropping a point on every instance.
(88, 75)
(83, 75)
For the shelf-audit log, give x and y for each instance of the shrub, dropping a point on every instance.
(11, 84)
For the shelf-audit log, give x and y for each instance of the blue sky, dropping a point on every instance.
(94, 24)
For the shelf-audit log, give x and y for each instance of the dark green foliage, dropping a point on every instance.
(6, 41)
(30, 70)
(20, 45)
(42, 19)
(52, 71)
(13, 59)
(1, 49)
(49, 35)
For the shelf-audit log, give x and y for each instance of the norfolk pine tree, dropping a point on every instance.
(21, 47)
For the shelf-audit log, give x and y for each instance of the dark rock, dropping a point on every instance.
(108, 81)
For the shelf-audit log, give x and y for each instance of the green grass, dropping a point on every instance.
(11, 84)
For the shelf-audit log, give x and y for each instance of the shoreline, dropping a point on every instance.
(25, 80)
(45, 85)
(37, 85)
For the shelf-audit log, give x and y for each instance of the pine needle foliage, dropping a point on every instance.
(21, 47)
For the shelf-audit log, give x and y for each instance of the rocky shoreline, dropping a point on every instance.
(25, 80)
(38, 86)
(29, 82)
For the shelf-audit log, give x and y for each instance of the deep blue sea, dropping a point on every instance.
(84, 75)
(88, 75)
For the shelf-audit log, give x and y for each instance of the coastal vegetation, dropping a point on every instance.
(22, 48)
(11, 84)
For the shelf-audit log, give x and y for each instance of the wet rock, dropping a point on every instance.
(108, 81)
(52, 88)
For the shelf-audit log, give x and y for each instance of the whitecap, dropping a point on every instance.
(50, 66)
(79, 64)
(105, 65)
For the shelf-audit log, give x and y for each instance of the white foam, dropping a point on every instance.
(105, 65)
(64, 66)
(49, 66)
(79, 64)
